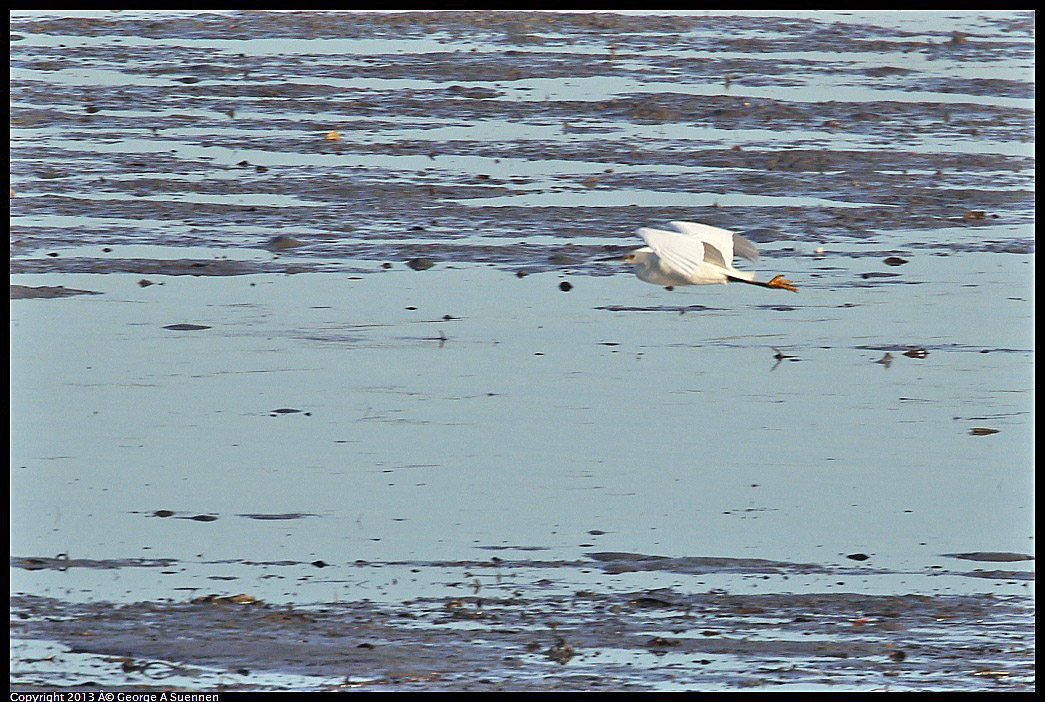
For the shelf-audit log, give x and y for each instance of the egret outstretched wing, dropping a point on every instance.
(684, 254)
(744, 248)
(729, 243)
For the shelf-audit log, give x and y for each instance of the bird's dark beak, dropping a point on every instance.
(618, 259)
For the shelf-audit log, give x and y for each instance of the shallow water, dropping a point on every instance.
(301, 423)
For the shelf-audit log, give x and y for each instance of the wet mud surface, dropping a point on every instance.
(198, 145)
(534, 634)
(212, 146)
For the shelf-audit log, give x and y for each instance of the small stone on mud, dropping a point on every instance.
(651, 602)
(280, 243)
(561, 652)
(420, 264)
(983, 431)
(661, 642)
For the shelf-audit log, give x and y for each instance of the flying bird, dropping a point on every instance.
(696, 254)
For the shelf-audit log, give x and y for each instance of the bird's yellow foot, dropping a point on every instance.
(779, 282)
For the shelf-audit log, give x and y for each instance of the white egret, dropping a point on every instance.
(696, 254)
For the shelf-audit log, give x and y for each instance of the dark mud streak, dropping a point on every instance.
(24, 292)
(521, 27)
(611, 563)
(65, 563)
(157, 267)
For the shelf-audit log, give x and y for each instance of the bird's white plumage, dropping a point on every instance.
(682, 254)
(729, 243)
(696, 254)
(721, 240)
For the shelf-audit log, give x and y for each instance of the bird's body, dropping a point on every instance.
(695, 254)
